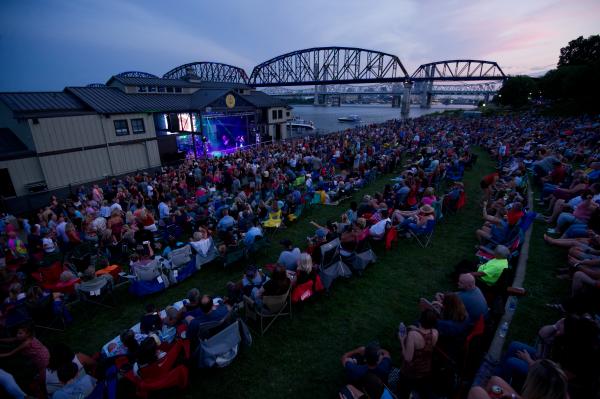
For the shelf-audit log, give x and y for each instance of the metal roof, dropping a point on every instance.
(41, 101)
(262, 100)
(140, 81)
(203, 98)
(110, 100)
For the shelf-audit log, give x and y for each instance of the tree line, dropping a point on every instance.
(573, 87)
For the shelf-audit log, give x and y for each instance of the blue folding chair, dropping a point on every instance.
(423, 234)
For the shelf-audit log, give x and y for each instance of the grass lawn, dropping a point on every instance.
(300, 357)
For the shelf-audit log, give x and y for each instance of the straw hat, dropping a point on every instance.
(427, 209)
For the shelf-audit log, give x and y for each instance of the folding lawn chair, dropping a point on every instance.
(181, 264)
(148, 279)
(272, 308)
(97, 291)
(364, 255)
(423, 234)
(219, 343)
(332, 266)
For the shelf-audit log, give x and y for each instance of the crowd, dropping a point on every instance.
(203, 210)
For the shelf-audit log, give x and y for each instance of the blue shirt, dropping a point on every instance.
(288, 259)
(215, 315)
(474, 302)
(355, 372)
(251, 235)
(225, 223)
(163, 210)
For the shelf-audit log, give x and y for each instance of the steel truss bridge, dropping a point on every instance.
(469, 89)
(321, 66)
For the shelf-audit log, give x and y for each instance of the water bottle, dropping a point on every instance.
(503, 329)
(512, 304)
(402, 330)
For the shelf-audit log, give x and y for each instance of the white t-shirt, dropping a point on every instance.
(99, 223)
(379, 228)
(53, 384)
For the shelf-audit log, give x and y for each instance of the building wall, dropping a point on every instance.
(75, 167)
(23, 171)
(65, 156)
(270, 118)
(76, 132)
(68, 132)
(19, 128)
(109, 127)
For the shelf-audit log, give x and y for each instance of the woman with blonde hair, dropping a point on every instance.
(305, 264)
(545, 380)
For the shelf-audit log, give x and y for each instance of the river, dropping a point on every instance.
(325, 118)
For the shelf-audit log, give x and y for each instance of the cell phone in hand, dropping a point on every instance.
(146, 242)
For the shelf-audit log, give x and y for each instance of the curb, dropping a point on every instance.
(493, 356)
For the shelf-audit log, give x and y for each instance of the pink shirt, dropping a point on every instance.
(428, 200)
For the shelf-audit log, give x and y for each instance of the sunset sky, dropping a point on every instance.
(47, 45)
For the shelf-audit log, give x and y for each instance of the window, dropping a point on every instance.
(287, 114)
(121, 128)
(279, 114)
(142, 89)
(137, 126)
(151, 89)
(169, 90)
(178, 90)
(161, 89)
(274, 114)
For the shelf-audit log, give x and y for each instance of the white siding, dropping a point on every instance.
(109, 126)
(22, 172)
(75, 167)
(153, 154)
(55, 134)
(70, 132)
(129, 157)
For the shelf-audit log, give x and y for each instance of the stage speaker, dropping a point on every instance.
(173, 123)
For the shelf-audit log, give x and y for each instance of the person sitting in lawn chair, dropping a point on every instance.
(378, 230)
(415, 220)
(489, 273)
(363, 360)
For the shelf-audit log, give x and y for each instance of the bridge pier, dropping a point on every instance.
(396, 98)
(319, 95)
(486, 98)
(336, 101)
(426, 94)
(405, 108)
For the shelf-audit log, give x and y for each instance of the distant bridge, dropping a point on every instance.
(322, 66)
(482, 90)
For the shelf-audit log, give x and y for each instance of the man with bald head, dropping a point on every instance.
(469, 293)
(472, 297)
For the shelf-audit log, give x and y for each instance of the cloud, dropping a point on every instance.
(91, 40)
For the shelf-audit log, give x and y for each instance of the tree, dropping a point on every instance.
(580, 52)
(517, 91)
